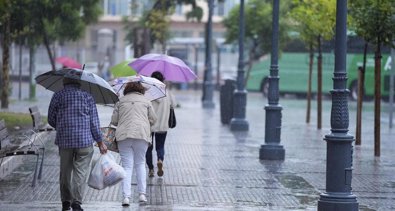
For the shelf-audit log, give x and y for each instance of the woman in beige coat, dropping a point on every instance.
(159, 129)
(133, 115)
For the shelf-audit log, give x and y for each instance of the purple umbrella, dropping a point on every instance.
(172, 68)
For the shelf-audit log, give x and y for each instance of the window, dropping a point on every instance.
(114, 38)
(181, 33)
(220, 9)
(116, 7)
(218, 34)
(178, 10)
(94, 38)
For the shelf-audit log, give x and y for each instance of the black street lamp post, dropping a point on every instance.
(338, 194)
(196, 64)
(238, 122)
(272, 150)
(208, 85)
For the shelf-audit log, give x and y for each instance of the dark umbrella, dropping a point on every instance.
(100, 89)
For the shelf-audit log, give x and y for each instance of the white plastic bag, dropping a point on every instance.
(106, 172)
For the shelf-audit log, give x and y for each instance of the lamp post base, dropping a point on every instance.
(271, 152)
(208, 104)
(237, 124)
(337, 201)
(207, 101)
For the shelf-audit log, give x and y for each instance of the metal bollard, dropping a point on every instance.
(226, 100)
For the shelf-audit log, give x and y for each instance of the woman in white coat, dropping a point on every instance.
(133, 115)
(159, 129)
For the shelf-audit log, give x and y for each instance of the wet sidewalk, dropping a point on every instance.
(208, 167)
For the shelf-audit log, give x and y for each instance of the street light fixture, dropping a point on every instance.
(208, 86)
(238, 122)
(272, 150)
(338, 194)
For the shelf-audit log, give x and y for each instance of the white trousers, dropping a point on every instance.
(132, 151)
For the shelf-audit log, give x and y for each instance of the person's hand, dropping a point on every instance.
(102, 147)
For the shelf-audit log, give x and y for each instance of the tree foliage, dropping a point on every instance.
(374, 20)
(258, 24)
(157, 20)
(35, 22)
(62, 21)
(314, 18)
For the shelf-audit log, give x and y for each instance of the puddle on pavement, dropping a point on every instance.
(305, 192)
(364, 208)
(18, 176)
(300, 188)
(389, 185)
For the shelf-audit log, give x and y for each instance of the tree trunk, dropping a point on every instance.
(311, 61)
(219, 68)
(32, 82)
(250, 62)
(20, 71)
(50, 55)
(6, 63)
(164, 47)
(361, 88)
(319, 85)
(377, 98)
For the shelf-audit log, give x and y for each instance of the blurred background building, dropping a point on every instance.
(105, 40)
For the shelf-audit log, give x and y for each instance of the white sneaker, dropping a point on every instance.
(142, 198)
(125, 202)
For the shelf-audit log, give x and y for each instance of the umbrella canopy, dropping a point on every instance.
(122, 69)
(155, 89)
(68, 62)
(100, 89)
(172, 68)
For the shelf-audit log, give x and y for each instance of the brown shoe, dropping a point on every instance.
(151, 173)
(160, 168)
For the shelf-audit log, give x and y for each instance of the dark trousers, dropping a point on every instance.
(159, 140)
(74, 169)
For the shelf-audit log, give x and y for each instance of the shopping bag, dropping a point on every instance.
(109, 138)
(105, 172)
(172, 119)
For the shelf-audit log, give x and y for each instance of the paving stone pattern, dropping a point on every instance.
(208, 167)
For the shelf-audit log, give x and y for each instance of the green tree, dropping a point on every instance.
(12, 27)
(374, 20)
(258, 27)
(42, 22)
(308, 36)
(62, 21)
(156, 22)
(5, 7)
(316, 21)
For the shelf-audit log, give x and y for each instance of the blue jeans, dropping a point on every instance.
(159, 140)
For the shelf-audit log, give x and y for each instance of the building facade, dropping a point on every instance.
(104, 41)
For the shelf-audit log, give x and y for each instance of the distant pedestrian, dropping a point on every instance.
(73, 113)
(133, 115)
(159, 129)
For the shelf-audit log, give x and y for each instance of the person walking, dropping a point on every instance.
(133, 115)
(73, 113)
(159, 129)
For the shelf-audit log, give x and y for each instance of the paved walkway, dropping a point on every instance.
(208, 167)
